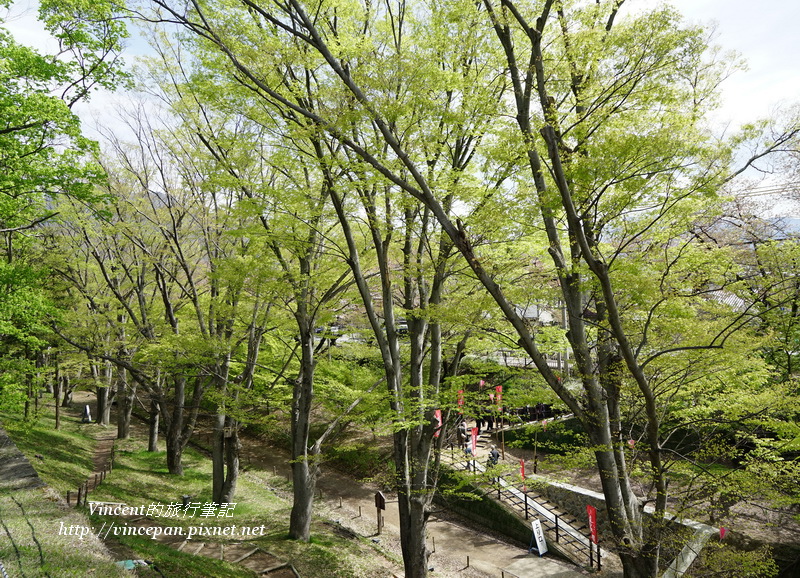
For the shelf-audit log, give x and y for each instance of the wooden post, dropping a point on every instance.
(80, 493)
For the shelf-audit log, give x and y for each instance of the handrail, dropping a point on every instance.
(553, 519)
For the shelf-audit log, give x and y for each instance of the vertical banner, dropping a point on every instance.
(499, 396)
(474, 441)
(522, 473)
(591, 511)
(722, 532)
(437, 413)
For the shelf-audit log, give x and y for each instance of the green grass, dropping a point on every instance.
(67, 452)
(141, 478)
(32, 544)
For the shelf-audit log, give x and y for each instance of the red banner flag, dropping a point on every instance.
(499, 396)
(474, 441)
(437, 413)
(591, 511)
(722, 532)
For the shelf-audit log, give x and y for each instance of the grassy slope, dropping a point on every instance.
(140, 478)
(30, 520)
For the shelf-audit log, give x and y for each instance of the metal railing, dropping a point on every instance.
(527, 505)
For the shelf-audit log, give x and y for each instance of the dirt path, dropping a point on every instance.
(459, 549)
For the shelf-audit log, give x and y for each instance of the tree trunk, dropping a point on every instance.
(304, 481)
(174, 451)
(218, 456)
(225, 443)
(232, 448)
(303, 473)
(57, 396)
(125, 396)
(225, 459)
(152, 441)
(413, 520)
(637, 564)
(414, 497)
(103, 406)
(173, 426)
(66, 392)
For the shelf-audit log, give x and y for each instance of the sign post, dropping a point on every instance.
(380, 505)
(538, 537)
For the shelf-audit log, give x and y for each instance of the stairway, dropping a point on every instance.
(563, 531)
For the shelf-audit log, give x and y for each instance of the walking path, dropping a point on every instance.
(460, 549)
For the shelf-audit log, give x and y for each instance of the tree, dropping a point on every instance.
(607, 117)
(43, 156)
(412, 256)
(183, 311)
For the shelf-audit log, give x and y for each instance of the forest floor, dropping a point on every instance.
(460, 548)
